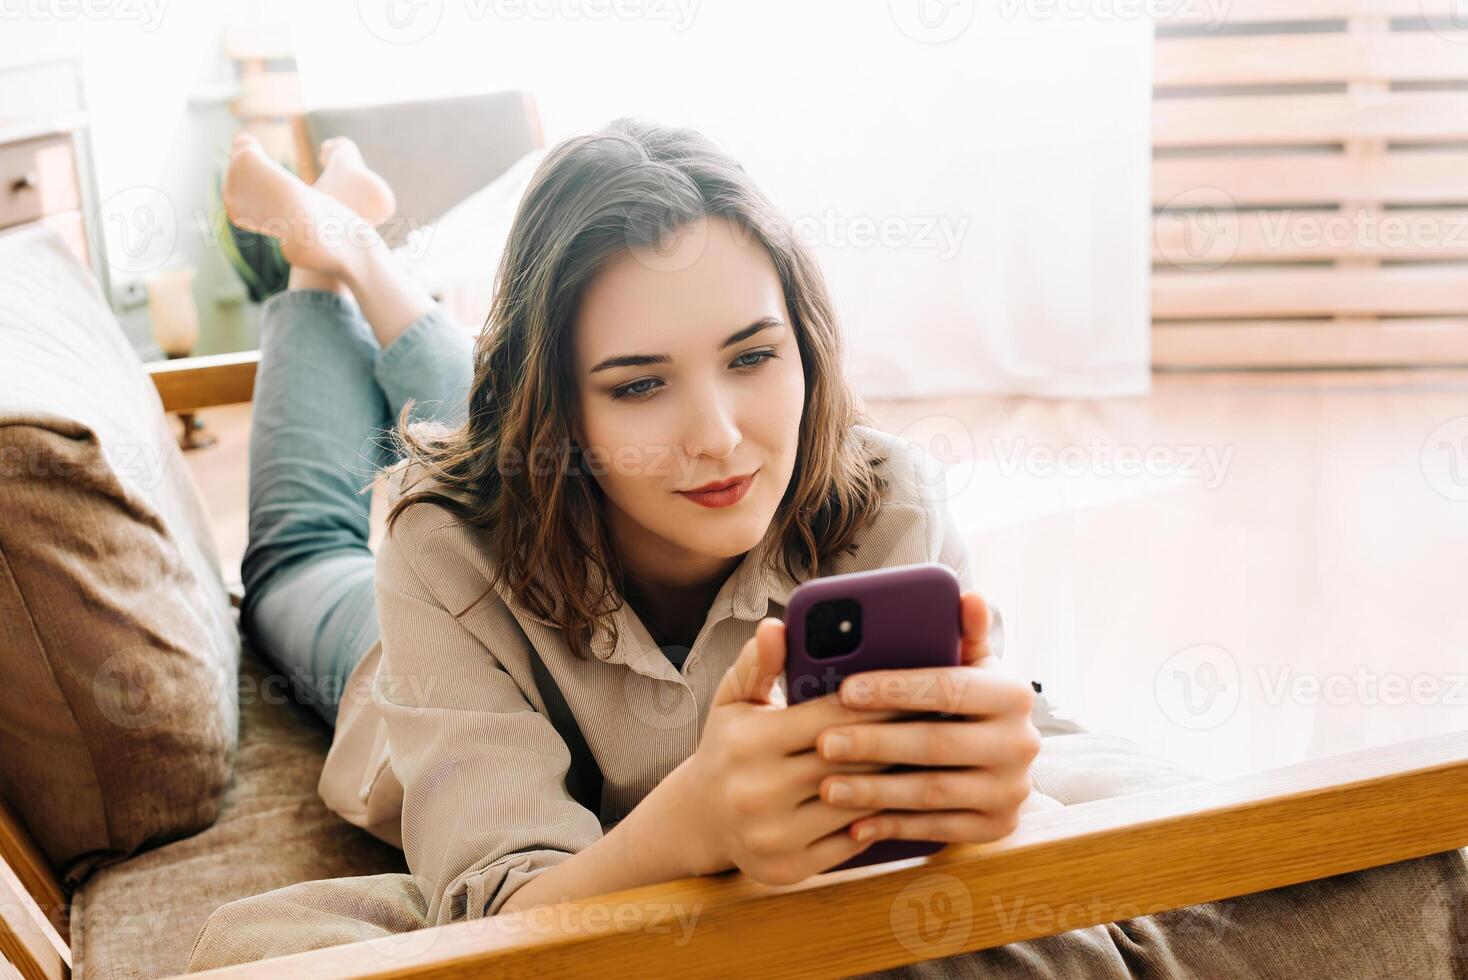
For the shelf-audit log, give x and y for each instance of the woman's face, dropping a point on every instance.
(716, 392)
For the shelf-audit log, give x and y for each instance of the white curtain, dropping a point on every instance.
(973, 175)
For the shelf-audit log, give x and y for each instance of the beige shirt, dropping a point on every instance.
(442, 743)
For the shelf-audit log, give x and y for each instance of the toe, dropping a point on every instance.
(343, 151)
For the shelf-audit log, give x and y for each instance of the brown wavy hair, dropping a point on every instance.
(627, 185)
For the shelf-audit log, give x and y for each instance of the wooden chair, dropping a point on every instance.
(1095, 862)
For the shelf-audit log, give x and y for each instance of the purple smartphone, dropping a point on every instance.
(883, 619)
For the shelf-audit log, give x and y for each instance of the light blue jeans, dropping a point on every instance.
(326, 397)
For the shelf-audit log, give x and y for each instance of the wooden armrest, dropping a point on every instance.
(190, 383)
(1083, 865)
(31, 903)
(28, 941)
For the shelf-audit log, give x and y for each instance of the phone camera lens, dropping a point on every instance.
(833, 628)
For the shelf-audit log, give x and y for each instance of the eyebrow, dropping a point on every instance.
(638, 360)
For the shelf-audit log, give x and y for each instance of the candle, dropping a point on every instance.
(172, 310)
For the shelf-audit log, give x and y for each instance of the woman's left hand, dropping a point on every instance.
(985, 754)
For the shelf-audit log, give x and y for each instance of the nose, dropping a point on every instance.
(712, 428)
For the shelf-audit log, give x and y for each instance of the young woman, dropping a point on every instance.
(559, 677)
(656, 331)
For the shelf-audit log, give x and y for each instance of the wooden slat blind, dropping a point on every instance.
(1310, 184)
(1202, 13)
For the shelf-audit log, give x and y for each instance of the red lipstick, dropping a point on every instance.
(721, 493)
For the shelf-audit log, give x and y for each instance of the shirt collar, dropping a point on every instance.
(746, 595)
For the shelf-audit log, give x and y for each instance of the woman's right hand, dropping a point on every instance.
(750, 794)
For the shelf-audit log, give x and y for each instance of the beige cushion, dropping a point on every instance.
(139, 918)
(117, 714)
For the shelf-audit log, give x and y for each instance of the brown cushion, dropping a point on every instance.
(118, 710)
(139, 918)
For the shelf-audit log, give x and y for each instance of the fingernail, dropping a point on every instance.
(839, 793)
(856, 693)
(866, 831)
(836, 746)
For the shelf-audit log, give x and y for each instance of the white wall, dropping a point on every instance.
(1008, 164)
(975, 184)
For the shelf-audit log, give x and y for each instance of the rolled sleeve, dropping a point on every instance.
(485, 807)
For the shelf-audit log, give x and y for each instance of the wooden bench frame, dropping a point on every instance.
(1061, 870)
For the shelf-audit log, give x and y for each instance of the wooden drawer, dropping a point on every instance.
(37, 178)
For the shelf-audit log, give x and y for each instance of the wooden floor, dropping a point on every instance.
(1241, 571)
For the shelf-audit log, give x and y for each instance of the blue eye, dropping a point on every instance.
(635, 392)
(629, 391)
(763, 356)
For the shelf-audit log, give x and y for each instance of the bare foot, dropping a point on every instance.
(316, 231)
(345, 177)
